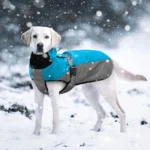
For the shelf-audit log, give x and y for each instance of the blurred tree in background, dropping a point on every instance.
(104, 21)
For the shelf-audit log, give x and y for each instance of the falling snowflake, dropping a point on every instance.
(29, 24)
(38, 13)
(10, 56)
(75, 27)
(126, 13)
(127, 27)
(39, 3)
(134, 3)
(108, 20)
(140, 1)
(98, 13)
(45, 55)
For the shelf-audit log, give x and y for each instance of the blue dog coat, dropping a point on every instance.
(73, 67)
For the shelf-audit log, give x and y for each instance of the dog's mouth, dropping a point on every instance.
(40, 54)
(39, 50)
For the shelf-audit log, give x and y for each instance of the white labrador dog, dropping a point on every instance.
(48, 38)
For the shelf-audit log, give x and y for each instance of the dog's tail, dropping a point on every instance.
(126, 75)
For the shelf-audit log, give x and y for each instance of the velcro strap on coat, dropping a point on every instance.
(73, 71)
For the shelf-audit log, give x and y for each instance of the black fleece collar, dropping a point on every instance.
(40, 61)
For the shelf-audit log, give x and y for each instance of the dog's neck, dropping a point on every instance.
(42, 61)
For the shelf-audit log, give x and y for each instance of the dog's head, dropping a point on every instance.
(41, 39)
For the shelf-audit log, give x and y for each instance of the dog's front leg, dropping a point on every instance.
(55, 108)
(39, 98)
(53, 90)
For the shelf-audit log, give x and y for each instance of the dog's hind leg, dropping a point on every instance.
(112, 99)
(107, 88)
(101, 115)
(93, 97)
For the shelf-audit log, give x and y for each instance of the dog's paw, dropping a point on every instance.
(37, 133)
(54, 131)
(96, 129)
(123, 130)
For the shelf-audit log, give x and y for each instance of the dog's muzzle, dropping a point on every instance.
(40, 47)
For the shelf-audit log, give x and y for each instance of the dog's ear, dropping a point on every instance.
(26, 36)
(55, 38)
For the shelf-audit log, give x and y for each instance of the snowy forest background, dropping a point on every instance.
(104, 21)
(120, 28)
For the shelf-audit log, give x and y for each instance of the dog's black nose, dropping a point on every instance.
(40, 45)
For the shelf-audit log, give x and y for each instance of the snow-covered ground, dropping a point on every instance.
(76, 115)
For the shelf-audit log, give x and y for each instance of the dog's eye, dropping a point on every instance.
(35, 36)
(47, 37)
